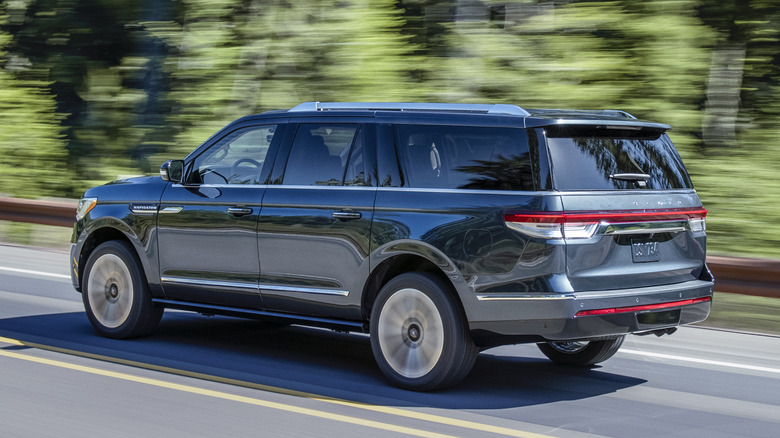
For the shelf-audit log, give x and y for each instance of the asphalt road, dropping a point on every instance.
(215, 376)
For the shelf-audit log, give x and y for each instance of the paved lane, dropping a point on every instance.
(197, 376)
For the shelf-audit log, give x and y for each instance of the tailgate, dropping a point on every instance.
(634, 239)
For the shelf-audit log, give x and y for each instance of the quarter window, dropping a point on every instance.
(464, 157)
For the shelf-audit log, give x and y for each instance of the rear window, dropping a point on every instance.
(466, 157)
(590, 158)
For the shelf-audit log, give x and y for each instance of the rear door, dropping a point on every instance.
(315, 224)
(632, 218)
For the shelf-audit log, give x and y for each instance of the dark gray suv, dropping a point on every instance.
(439, 229)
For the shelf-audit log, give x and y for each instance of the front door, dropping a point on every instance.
(207, 226)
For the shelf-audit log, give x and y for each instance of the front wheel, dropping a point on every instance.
(419, 337)
(115, 293)
(581, 354)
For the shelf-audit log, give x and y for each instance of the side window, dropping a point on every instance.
(320, 155)
(465, 157)
(236, 159)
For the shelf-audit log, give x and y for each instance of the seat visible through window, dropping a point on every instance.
(315, 157)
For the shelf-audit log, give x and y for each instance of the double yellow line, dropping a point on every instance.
(259, 402)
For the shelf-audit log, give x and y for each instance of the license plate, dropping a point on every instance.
(643, 251)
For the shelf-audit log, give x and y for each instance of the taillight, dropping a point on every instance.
(585, 224)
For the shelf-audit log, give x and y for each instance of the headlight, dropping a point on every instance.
(85, 206)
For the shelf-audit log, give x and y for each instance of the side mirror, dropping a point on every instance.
(172, 170)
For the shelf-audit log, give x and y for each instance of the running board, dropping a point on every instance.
(335, 324)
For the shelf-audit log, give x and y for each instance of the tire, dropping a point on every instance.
(581, 354)
(115, 293)
(419, 336)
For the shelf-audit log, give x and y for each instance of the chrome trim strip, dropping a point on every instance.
(628, 228)
(522, 297)
(645, 231)
(253, 286)
(305, 290)
(211, 283)
(170, 210)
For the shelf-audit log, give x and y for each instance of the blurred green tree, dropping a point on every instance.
(110, 87)
(232, 57)
(105, 75)
(31, 142)
(736, 171)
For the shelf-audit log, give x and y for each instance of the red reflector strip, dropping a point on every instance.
(611, 216)
(659, 306)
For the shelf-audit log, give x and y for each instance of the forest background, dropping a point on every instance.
(91, 90)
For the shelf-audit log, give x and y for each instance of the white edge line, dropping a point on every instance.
(701, 361)
(27, 271)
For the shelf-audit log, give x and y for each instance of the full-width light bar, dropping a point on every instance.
(583, 224)
(615, 217)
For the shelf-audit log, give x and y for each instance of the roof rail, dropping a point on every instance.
(409, 106)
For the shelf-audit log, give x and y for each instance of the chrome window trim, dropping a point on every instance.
(315, 187)
(219, 186)
(470, 191)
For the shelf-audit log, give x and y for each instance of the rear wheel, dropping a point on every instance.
(115, 293)
(581, 354)
(418, 334)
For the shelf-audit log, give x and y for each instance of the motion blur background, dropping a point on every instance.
(91, 90)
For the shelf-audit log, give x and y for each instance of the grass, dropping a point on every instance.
(44, 236)
(744, 313)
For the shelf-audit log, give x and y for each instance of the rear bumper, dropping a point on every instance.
(513, 318)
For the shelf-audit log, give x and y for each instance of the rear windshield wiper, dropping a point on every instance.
(639, 178)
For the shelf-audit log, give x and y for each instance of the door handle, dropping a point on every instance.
(239, 211)
(346, 215)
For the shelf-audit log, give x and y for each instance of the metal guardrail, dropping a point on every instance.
(745, 276)
(57, 213)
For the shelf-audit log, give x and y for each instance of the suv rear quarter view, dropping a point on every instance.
(438, 229)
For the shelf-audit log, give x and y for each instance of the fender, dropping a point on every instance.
(430, 253)
(139, 230)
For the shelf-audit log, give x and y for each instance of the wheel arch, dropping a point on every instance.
(404, 262)
(107, 230)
